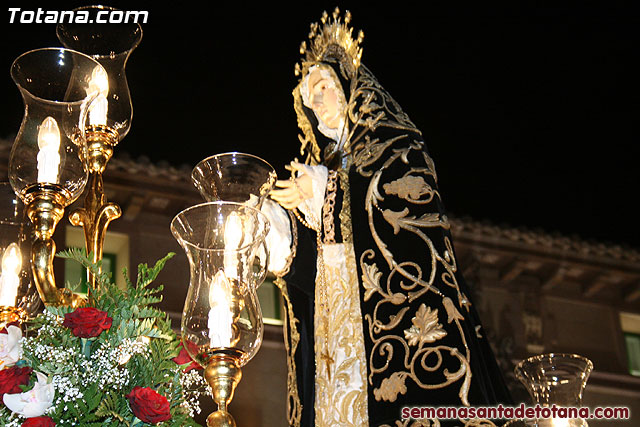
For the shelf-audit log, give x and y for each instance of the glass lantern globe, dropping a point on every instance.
(109, 44)
(49, 151)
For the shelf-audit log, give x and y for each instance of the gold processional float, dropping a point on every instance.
(77, 109)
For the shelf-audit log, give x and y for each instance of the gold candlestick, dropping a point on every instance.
(45, 207)
(97, 213)
(223, 375)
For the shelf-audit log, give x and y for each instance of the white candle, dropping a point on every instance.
(220, 321)
(98, 86)
(98, 111)
(48, 155)
(10, 278)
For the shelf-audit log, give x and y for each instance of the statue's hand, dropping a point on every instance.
(290, 193)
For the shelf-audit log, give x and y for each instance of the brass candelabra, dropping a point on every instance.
(97, 212)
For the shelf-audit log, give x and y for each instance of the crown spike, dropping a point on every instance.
(332, 40)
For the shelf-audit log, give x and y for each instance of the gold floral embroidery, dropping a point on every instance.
(391, 387)
(426, 328)
(409, 187)
(408, 281)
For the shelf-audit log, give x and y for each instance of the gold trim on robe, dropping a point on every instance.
(341, 394)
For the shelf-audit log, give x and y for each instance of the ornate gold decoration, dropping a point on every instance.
(328, 207)
(332, 41)
(341, 392)
(410, 187)
(45, 207)
(291, 340)
(291, 336)
(97, 213)
(346, 226)
(10, 314)
(426, 328)
(308, 142)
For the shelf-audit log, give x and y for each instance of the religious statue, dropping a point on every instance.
(378, 316)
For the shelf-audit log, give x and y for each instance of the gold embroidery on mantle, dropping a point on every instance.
(400, 282)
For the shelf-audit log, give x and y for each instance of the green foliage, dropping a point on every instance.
(93, 375)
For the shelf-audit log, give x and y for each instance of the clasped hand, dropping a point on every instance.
(290, 193)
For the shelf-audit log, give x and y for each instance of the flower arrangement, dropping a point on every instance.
(115, 361)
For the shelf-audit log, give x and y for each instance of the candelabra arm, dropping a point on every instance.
(97, 213)
(94, 218)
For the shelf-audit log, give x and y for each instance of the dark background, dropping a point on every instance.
(530, 112)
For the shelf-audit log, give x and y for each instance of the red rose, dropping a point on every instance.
(12, 378)
(39, 422)
(87, 322)
(183, 358)
(149, 406)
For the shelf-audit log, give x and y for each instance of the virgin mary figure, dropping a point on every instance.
(378, 316)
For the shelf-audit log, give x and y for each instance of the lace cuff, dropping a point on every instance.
(312, 208)
(279, 237)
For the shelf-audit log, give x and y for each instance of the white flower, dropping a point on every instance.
(10, 346)
(32, 403)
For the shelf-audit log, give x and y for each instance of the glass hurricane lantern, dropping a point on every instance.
(555, 379)
(18, 298)
(47, 165)
(222, 324)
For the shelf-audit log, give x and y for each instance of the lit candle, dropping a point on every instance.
(98, 85)
(220, 314)
(48, 155)
(10, 278)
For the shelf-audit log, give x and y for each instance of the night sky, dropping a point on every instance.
(530, 113)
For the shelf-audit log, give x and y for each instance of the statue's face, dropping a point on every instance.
(325, 99)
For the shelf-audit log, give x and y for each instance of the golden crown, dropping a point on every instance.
(332, 41)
